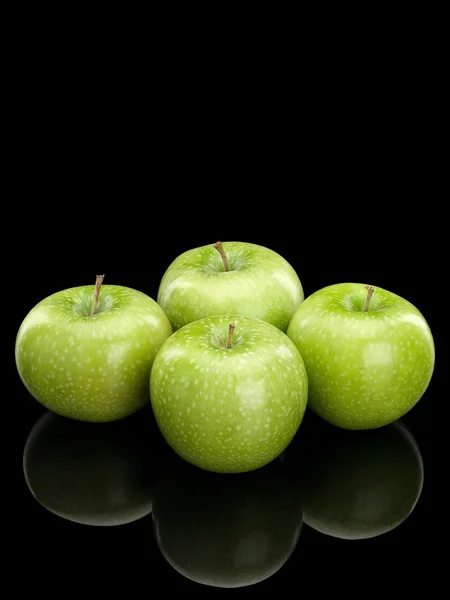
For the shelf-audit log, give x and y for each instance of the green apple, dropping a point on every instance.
(86, 353)
(94, 474)
(357, 484)
(227, 531)
(228, 392)
(369, 354)
(230, 278)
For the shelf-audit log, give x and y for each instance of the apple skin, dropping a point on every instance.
(93, 474)
(357, 484)
(260, 283)
(91, 368)
(234, 409)
(227, 531)
(365, 369)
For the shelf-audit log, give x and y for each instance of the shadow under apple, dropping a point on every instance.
(227, 530)
(356, 484)
(93, 473)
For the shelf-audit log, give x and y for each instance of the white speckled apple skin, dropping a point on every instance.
(259, 284)
(228, 410)
(365, 369)
(92, 368)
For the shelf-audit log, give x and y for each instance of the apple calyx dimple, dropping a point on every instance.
(219, 247)
(370, 291)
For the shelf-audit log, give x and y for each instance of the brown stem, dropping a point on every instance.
(231, 327)
(370, 291)
(218, 246)
(98, 284)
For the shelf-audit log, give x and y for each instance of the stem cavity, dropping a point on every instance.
(219, 247)
(370, 291)
(98, 284)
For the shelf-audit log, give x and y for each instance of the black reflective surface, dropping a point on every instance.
(117, 493)
(357, 485)
(227, 531)
(89, 474)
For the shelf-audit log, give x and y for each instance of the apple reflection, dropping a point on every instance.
(92, 473)
(357, 484)
(227, 531)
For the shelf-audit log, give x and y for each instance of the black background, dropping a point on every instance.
(337, 178)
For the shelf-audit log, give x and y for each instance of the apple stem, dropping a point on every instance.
(370, 291)
(98, 284)
(231, 327)
(218, 246)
